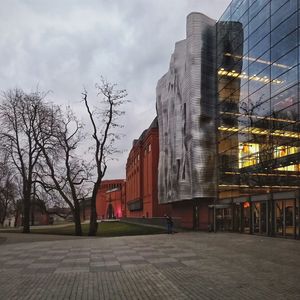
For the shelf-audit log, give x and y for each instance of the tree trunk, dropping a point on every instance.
(16, 218)
(26, 211)
(2, 217)
(32, 215)
(76, 215)
(26, 216)
(93, 219)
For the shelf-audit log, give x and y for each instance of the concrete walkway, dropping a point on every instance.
(179, 266)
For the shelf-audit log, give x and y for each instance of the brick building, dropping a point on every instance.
(110, 202)
(141, 176)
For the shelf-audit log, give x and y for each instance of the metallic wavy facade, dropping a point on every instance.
(186, 104)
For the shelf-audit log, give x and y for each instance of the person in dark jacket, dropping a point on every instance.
(169, 221)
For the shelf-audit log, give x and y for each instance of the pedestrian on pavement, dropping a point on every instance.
(169, 221)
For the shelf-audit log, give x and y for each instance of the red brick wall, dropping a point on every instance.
(141, 175)
(185, 211)
(204, 214)
(141, 183)
(111, 191)
(133, 175)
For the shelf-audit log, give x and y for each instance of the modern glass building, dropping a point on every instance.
(258, 118)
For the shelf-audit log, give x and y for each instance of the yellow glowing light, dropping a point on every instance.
(260, 131)
(263, 174)
(248, 154)
(259, 117)
(258, 186)
(258, 60)
(252, 77)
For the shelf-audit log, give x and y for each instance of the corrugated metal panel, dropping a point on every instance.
(186, 113)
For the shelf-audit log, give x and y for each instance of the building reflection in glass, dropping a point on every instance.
(258, 113)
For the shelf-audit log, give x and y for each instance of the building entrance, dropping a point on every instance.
(286, 217)
(259, 217)
(110, 212)
(246, 217)
(272, 214)
(224, 219)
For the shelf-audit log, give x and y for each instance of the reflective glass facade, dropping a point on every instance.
(258, 102)
(258, 112)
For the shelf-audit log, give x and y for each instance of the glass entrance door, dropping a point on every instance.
(290, 220)
(263, 217)
(246, 217)
(259, 217)
(285, 217)
(256, 207)
(237, 224)
(279, 218)
(297, 219)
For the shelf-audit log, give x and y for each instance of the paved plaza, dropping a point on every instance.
(179, 266)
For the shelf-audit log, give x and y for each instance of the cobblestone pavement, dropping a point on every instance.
(180, 266)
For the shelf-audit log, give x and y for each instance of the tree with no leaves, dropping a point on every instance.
(61, 169)
(104, 134)
(19, 115)
(8, 188)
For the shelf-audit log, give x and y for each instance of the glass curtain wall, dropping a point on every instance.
(258, 106)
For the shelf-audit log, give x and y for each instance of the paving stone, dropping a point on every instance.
(112, 263)
(181, 255)
(42, 265)
(130, 258)
(183, 266)
(76, 260)
(98, 268)
(97, 264)
(161, 260)
(72, 270)
(130, 266)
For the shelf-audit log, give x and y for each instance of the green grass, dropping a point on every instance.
(105, 229)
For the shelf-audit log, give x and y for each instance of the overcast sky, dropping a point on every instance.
(63, 45)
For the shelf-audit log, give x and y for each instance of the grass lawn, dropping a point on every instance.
(105, 229)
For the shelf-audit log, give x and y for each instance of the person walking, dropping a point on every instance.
(169, 221)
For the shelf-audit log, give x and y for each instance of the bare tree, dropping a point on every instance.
(104, 134)
(19, 114)
(63, 171)
(8, 189)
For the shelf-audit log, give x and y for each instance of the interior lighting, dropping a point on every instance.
(258, 186)
(263, 174)
(258, 60)
(259, 117)
(259, 131)
(252, 77)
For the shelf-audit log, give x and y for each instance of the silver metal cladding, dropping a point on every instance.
(186, 101)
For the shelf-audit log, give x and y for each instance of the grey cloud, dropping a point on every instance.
(63, 45)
